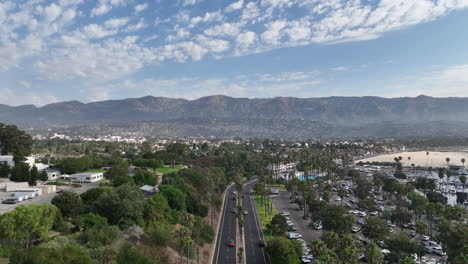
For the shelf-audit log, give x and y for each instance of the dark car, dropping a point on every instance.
(233, 197)
(261, 243)
(9, 201)
(231, 243)
(234, 210)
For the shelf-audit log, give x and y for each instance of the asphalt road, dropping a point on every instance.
(254, 254)
(227, 232)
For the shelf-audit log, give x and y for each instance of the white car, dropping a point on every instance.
(362, 214)
(304, 260)
(294, 235)
(338, 199)
(425, 238)
(351, 211)
(318, 226)
(284, 213)
(289, 223)
(374, 213)
(355, 229)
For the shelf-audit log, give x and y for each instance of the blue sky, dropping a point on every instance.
(87, 50)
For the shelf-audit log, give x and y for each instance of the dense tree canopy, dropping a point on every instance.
(123, 206)
(26, 223)
(284, 251)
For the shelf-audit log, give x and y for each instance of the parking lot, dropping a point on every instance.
(45, 198)
(282, 203)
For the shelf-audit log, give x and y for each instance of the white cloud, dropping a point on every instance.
(252, 85)
(140, 7)
(191, 2)
(14, 97)
(100, 10)
(448, 81)
(94, 31)
(225, 29)
(342, 68)
(51, 12)
(234, 6)
(208, 17)
(116, 22)
(104, 6)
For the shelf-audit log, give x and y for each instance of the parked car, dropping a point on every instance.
(425, 238)
(245, 212)
(294, 235)
(9, 201)
(355, 229)
(318, 226)
(284, 213)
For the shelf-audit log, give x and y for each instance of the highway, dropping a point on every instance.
(227, 232)
(254, 254)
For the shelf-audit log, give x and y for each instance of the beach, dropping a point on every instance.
(420, 158)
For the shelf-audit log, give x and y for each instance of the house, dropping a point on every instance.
(52, 174)
(86, 177)
(149, 190)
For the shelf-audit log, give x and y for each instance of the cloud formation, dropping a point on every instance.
(114, 39)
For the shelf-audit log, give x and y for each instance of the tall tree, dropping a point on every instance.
(15, 142)
(33, 176)
(5, 169)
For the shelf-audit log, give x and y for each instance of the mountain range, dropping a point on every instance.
(280, 117)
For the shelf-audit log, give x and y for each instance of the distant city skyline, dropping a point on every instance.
(64, 50)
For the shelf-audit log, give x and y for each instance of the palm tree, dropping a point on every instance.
(447, 159)
(318, 248)
(441, 174)
(427, 158)
(374, 255)
(463, 181)
(463, 160)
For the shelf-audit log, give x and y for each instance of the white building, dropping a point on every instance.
(52, 174)
(9, 159)
(87, 177)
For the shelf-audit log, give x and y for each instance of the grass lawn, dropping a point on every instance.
(265, 218)
(169, 170)
(96, 170)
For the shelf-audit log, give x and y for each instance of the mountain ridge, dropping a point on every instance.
(337, 111)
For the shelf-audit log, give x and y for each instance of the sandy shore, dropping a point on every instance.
(420, 158)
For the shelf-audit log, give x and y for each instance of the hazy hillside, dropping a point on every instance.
(276, 117)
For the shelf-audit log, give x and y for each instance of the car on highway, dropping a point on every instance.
(261, 243)
(245, 212)
(231, 243)
(234, 210)
(9, 201)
